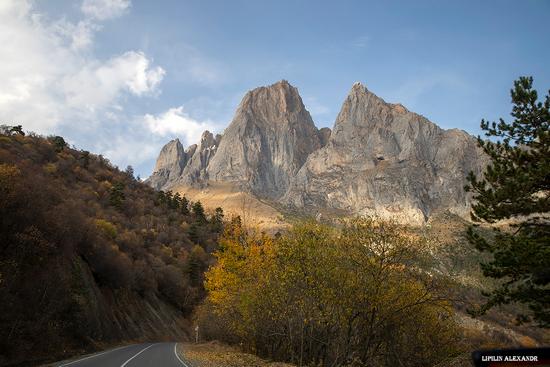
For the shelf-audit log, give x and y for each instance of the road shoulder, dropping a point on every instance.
(214, 354)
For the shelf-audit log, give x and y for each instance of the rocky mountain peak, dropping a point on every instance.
(387, 160)
(169, 165)
(379, 158)
(268, 140)
(208, 140)
(273, 103)
(169, 154)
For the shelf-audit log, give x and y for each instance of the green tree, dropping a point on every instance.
(217, 219)
(184, 205)
(516, 187)
(129, 172)
(196, 264)
(175, 202)
(161, 197)
(59, 143)
(117, 196)
(18, 129)
(85, 158)
(198, 212)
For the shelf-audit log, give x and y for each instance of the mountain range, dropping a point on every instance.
(379, 158)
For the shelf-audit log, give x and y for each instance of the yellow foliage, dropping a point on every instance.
(320, 295)
(106, 227)
(50, 168)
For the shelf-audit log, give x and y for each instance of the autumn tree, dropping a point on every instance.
(322, 296)
(516, 187)
(60, 240)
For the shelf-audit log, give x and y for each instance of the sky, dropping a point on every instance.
(123, 77)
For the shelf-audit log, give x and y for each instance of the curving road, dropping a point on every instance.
(137, 355)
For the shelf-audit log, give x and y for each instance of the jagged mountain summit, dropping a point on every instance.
(379, 158)
(269, 139)
(383, 159)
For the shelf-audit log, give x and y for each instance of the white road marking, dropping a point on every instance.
(135, 355)
(94, 355)
(178, 357)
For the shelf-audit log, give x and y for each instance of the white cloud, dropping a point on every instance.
(142, 137)
(123, 151)
(176, 122)
(80, 35)
(51, 82)
(48, 79)
(99, 85)
(105, 9)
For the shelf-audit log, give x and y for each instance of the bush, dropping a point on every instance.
(322, 296)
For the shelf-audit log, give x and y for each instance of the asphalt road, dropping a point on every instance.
(137, 355)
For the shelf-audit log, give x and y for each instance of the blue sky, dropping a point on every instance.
(123, 77)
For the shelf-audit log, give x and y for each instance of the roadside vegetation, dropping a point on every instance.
(70, 224)
(317, 295)
(214, 354)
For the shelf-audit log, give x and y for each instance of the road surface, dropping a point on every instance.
(136, 355)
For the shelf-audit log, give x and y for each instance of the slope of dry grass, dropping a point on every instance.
(253, 212)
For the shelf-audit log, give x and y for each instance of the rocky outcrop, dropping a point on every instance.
(267, 142)
(176, 165)
(169, 167)
(378, 159)
(195, 172)
(383, 159)
(324, 135)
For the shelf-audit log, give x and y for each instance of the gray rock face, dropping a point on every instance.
(378, 159)
(169, 167)
(324, 135)
(267, 142)
(176, 165)
(200, 157)
(382, 159)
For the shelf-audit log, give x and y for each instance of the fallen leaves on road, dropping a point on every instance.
(215, 354)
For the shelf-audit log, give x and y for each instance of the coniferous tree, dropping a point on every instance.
(130, 171)
(59, 143)
(184, 206)
(198, 211)
(117, 196)
(85, 158)
(516, 187)
(176, 201)
(18, 130)
(217, 219)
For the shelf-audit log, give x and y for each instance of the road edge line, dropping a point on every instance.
(178, 357)
(94, 355)
(135, 355)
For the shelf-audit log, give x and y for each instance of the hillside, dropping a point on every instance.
(89, 256)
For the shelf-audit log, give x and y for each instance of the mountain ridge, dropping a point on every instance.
(379, 158)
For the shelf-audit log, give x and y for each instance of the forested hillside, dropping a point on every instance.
(89, 255)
